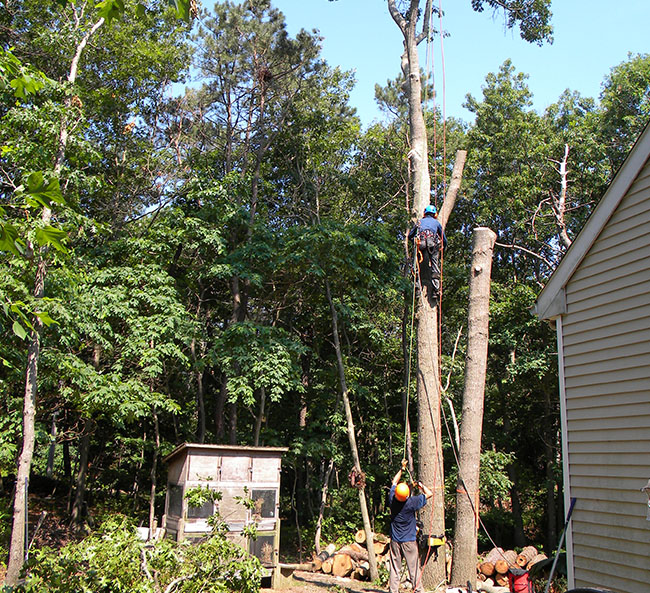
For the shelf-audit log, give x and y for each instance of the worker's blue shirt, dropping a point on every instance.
(429, 223)
(402, 516)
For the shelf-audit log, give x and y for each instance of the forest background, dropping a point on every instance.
(189, 243)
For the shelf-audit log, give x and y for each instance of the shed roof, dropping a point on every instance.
(231, 448)
(551, 302)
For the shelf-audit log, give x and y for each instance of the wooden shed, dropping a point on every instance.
(249, 472)
(599, 299)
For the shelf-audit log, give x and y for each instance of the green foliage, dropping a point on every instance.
(533, 17)
(187, 265)
(23, 79)
(196, 497)
(256, 357)
(114, 559)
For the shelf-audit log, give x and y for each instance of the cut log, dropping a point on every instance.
(486, 568)
(360, 536)
(342, 565)
(361, 572)
(501, 567)
(510, 556)
(537, 559)
(380, 547)
(324, 555)
(501, 580)
(527, 554)
(327, 565)
(354, 551)
(494, 554)
(306, 566)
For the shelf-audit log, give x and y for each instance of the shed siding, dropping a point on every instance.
(606, 337)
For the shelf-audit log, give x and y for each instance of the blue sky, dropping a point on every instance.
(591, 36)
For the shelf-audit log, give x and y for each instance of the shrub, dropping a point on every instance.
(114, 560)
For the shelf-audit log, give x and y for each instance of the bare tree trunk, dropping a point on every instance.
(558, 203)
(372, 559)
(18, 535)
(49, 470)
(76, 519)
(323, 503)
(259, 419)
(18, 532)
(467, 497)
(219, 426)
(519, 537)
(154, 468)
(232, 423)
(295, 511)
(200, 400)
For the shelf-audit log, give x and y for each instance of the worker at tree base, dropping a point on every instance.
(431, 240)
(403, 543)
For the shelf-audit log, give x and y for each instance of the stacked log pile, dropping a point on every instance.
(493, 568)
(351, 560)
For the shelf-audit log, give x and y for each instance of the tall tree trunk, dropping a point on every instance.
(154, 468)
(200, 399)
(232, 423)
(77, 517)
(49, 470)
(467, 497)
(219, 425)
(18, 535)
(430, 463)
(323, 504)
(67, 465)
(372, 559)
(259, 419)
(519, 537)
(294, 506)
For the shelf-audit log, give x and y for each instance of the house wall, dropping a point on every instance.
(606, 361)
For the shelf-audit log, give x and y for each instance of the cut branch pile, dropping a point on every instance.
(493, 567)
(351, 560)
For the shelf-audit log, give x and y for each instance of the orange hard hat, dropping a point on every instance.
(402, 491)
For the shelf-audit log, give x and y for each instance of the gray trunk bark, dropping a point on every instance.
(372, 559)
(77, 517)
(467, 497)
(154, 468)
(18, 535)
(259, 419)
(323, 503)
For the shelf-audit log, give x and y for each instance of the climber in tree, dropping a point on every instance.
(431, 240)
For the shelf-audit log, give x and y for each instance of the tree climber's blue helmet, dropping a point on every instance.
(430, 210)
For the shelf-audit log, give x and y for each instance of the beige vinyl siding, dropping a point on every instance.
(606, 338)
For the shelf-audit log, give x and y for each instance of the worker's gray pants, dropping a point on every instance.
(408, 551)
